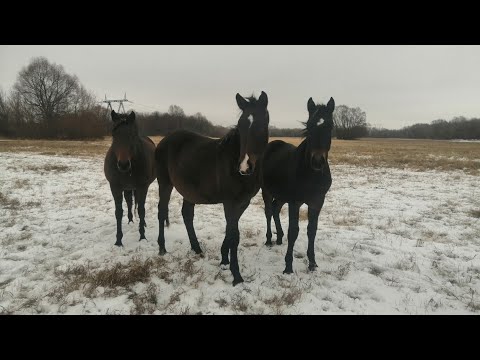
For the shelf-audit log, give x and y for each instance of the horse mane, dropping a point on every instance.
(229, 137)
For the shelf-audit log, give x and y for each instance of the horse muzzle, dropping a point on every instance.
(124, 166)
(247, 166)
(318, 162)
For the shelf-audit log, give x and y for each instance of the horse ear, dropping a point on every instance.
(241, 102)
(331, 105)
(114, 115)
(263, 99)
(310, 105)
(131, 117)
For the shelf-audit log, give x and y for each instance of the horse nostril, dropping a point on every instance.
(124, 165)
(318, 162)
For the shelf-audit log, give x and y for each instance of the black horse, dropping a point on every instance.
(212, 171)
(299, 175)
(129, 168)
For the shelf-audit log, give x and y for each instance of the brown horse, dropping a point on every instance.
(212, 171)
(129, 168)
(299, 175)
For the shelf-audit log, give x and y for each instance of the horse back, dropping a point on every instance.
(200, 169)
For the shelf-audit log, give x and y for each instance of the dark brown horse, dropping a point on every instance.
(129, 168)
(299, 175)
(212, 171)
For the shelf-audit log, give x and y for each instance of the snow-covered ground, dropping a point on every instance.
(389, 242)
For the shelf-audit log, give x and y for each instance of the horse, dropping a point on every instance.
(212, 171)
(298, 175)
(129, 168)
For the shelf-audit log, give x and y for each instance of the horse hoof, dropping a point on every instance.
(118, 244)
(224, 266)
(162, 252)
(279, 242)
(312, 267)
(198, 251)
(142, 238)
(237, 281)
(269, 243)
(288, 271)
(130, 221)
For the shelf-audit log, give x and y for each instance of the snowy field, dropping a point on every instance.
(389, 241)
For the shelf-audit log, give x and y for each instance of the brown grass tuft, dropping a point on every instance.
(9, 203)
(475, 213)
(82, 277)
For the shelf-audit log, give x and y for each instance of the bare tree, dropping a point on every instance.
(47, 91)
(177, 114)
(350, 123)
(176, 110)
(4, 113)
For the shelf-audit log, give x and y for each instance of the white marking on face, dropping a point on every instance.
(250, 118)
(320, 122)
(244, 164)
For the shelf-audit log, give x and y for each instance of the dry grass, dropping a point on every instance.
(145, 303)
(8, 202)
(118, 275)
(303, 214)
(47, 168)
(404, 153)
(475, 213)
(290, 295)
(396, 153)
(20, 184)
(62, 147)
(250, 233)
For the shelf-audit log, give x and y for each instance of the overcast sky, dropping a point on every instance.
(395, 85)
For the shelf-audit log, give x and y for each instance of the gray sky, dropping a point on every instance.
(395, 85)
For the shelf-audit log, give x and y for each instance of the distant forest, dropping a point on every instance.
(457, 128)
(48, 103)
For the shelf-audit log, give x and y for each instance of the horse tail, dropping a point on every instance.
(135, 197)
(167, 222)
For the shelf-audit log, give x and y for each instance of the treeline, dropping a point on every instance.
(277, 132)
(457, 128)
(158, 123)
(47, 102)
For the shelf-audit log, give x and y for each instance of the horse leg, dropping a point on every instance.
(233, 212)
(128, 198)
(225, 248)
(141, 195)
(267, 200)
(117, 197)
(311, 232)
(188, 212)
(276, 208)
(293, 213)
(164, 190)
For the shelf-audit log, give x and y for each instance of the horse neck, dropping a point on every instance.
(230, 144)
(302, 154)
(138, 145)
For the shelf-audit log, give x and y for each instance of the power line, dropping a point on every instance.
(120, 101)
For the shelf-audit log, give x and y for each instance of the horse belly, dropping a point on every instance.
(194, 191)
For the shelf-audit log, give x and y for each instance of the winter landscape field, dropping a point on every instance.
(399, 234)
